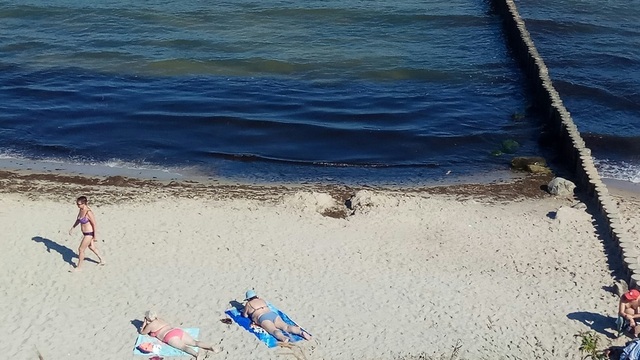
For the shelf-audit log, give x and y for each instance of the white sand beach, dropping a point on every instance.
(409, 273)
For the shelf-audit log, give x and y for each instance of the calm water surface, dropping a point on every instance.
(371, 92)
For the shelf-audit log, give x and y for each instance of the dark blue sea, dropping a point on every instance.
(376, 92)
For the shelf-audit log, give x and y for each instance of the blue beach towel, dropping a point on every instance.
(165, 350)
(631, 351)
(259, 332)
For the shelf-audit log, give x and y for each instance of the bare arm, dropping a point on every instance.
(144, 329)
(92, 220)
(74, 226)
(245, 310)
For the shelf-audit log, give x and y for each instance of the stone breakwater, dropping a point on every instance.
(574, 153)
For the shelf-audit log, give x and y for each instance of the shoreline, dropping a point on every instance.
(85, 174)
(622, 188)
(59, 185)
(28, 166)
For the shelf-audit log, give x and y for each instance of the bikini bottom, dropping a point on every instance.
(175, 332)
(271, 316)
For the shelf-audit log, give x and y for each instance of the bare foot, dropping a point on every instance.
(75, 269)
(102, 263)
(215, 350)
(305, 334)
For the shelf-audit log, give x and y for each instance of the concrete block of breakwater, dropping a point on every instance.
(513, 11)
(588, 168)
(627, 246)
(556, 104)
(587, 174)
(595, 183)
(631, 258)
(616, 230)
(630, 252)
(584, 153)
(632, 266)
(592, 173)
(615, 227)
(610, 209)
(533, 52)
(608, 204)
(557, 100)
(594, 179)
(634, 280)
(572, 130)
(577, 140)
(566, 116)
(543, 72)
(601, 190)
(575, 150)
(602, 193)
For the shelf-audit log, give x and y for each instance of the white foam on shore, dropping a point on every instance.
(148, 171)
(619, 170)
(113, 167)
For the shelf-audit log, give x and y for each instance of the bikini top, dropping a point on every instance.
(84, 219)
(255, 309)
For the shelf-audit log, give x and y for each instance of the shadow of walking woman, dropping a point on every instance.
(66, 253)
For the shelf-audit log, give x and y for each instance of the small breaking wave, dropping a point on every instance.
(619, 170)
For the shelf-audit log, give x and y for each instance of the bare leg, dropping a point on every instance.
(635, 329)
(280, 324)
(272, 329)
(206, 346)
(179, 343)
(93, 247)
(86, 240)
(188, 340)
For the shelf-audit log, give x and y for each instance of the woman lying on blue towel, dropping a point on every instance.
(258, 311)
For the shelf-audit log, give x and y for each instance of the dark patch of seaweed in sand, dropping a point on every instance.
(119, 189)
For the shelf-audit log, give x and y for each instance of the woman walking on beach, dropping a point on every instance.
(87, 222)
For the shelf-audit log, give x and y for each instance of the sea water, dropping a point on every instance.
(375, 92)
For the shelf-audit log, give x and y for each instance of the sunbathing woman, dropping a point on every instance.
(175, 337)
(257, 310)
(87, 222)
